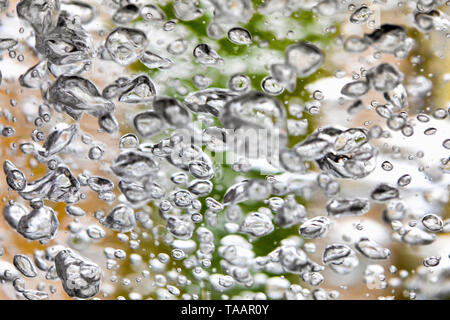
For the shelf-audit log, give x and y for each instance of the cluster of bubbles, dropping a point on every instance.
(194, 227)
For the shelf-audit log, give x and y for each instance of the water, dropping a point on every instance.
(224, 149)
(315, 228)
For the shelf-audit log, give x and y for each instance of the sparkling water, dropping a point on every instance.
(241, 149)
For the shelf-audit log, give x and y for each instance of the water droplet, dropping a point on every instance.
(80, 277)
(355, 89)
(404, 180)
(432, 261)
(316, 227)
(125, 14)
(305, 58)
(205, 55)
(340, 257)
(239, 36)
(432, 222)
(126, 44)
(360, 15)
(387, 166)
(372, 250)
(24, 265)
(120, 218)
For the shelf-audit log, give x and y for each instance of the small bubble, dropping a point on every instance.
(318, 95)
(96, 153)
(432, 261)
(404, 180)
(446, 144)
(430, 131)
(387, 166)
